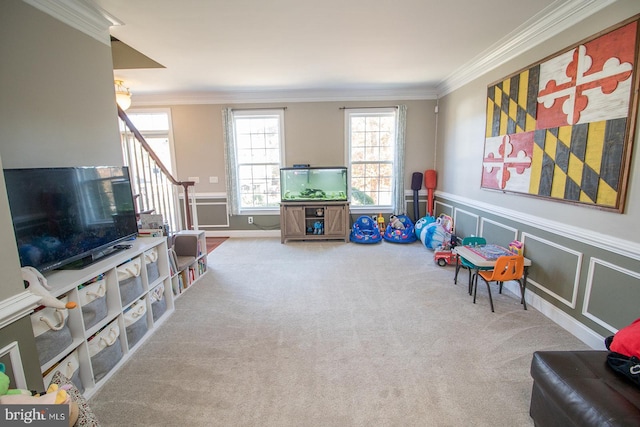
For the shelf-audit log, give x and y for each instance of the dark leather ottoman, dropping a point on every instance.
(577, 388)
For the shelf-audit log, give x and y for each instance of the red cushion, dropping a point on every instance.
(627, 340)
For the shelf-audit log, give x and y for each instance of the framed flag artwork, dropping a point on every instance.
(563, 128)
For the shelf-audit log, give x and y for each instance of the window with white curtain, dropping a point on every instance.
(371, 151)
(259, 149)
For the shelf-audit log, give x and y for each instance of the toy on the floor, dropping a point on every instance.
(443, 254)
(5, 382)
(436, 233)
(444, 257)
(365, 230)
(400, 235)
(54, 396)
(380, 220)
(422, 223)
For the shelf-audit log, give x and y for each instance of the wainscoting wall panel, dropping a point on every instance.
(443, 208)
(465, 223)
(560, 276)
(211, 214)
(497, 232)
(608, 284)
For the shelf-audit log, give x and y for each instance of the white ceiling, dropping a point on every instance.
(279, 49)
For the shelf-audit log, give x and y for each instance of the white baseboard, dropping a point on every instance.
(580, 331)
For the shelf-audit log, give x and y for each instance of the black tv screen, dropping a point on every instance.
(64, 215)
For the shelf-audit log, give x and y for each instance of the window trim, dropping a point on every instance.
(348, 113)
(257, 113)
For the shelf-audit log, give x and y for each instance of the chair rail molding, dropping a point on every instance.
(17, 306)
(599, 240)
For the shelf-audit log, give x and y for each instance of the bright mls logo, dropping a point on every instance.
(34, 415)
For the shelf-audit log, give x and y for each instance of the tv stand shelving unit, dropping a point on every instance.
(297, 220)
(190, 263)
(66, 283)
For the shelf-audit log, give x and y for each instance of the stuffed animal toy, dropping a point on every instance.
(54, 396)
(37, 284)
(4, 385)
(317, 228)
(396, 223)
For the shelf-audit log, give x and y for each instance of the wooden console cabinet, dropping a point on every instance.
(298, 221)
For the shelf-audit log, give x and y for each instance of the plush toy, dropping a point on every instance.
(55, 396)
(4, 385)
(37, 284)
(396, 223)
(317, 228)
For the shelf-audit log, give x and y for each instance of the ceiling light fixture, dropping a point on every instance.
(123, 96)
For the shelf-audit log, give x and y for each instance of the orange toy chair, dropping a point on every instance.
(510, 267)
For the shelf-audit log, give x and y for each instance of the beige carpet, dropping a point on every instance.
(332, 334)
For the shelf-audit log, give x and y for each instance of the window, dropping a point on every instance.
(258, 149)
(371, 143)
(155, 127)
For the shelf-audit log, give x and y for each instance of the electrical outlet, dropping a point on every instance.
(250, 219)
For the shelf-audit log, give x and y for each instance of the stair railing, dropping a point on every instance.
(155, 188)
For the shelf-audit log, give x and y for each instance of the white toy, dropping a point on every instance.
(37, 284)
(396, 223)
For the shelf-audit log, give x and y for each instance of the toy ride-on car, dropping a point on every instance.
(444, 257)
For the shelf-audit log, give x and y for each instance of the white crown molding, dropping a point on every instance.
(16, 307)
(80, 15)
(599, 240)
(549, 22)
(271, 96)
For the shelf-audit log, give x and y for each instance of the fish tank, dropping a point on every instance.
(300, 184)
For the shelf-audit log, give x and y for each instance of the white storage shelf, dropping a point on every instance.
(66, 282)
(185, 277)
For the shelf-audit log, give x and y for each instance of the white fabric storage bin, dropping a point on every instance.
(70, 368)
(158, 302)
(151, 262)
(93, 300)
(129, 281)
(105, 350)
(135, 321)
(51, 332)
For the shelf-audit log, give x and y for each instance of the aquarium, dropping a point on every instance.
(313, 183)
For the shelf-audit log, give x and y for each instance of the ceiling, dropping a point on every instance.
(330, 49)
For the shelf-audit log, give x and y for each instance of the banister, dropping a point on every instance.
(184, 184)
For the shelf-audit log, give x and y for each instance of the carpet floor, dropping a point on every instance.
(332, 334)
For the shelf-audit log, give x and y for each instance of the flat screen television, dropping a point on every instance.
(70, 216)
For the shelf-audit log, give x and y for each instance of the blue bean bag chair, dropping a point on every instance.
(365, 230)
(395, 235)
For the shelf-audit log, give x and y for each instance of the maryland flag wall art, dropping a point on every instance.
(563, 129)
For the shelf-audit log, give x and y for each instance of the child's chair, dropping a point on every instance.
(509, 267)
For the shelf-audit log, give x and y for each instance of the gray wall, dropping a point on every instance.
(586, 261)
(314, 134)
(57, 106)
(461, 124)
